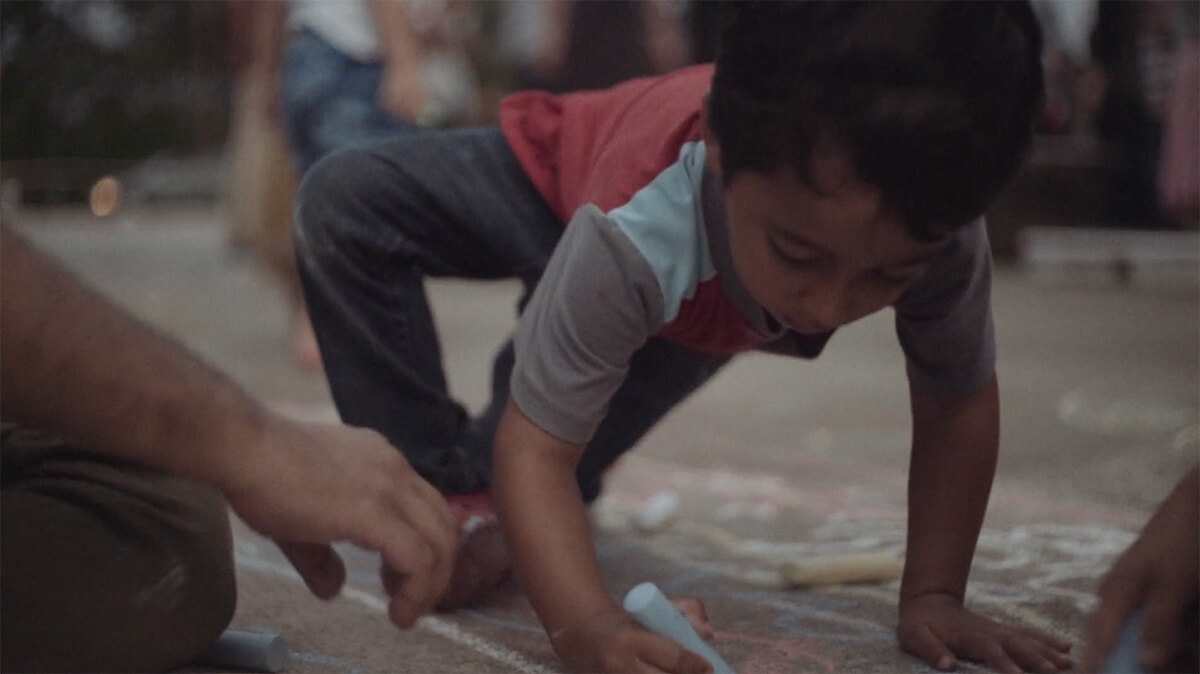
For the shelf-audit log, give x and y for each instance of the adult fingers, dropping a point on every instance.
(409, 556)
(919, 640)
(1120, 593)
(1161, 620)
(697, 616)
(424, 510)
(317, 563)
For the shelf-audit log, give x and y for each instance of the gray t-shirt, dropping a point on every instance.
(660, 265)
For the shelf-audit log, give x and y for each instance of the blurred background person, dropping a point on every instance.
(569, 45)
(1133, 46)
(260, 179)
(1179, 165)
(334, 74)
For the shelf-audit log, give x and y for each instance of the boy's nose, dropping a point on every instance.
(827, 309)
(834, 302)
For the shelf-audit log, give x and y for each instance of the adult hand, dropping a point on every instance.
(938, 629)
(612, 641)
(403, 93)
(307, 485)
(1158, 573)
(548, 62)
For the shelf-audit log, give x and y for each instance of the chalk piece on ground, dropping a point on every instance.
(246, 649)
(606, 515)
(1124, 656)
(653, 611)
(658, 511)
(865, 568)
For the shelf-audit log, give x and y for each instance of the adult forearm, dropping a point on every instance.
(267, 40)
(955, 445)
(545, 524)
(396, 34)
(76, 364)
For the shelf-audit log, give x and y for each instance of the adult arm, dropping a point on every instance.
(954, 450)
(76, 364)
(402, 90)
(1160, 574)
(549, 59)
(266, 54)
(663, 28)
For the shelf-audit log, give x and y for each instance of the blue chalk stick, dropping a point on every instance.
(243, 649)
(1124, 659)
(652, 610)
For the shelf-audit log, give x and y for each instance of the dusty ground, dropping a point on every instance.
(776, 459)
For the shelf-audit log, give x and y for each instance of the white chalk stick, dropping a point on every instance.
(865, 568)
(243, 649)
(652, 610)
(658, 511)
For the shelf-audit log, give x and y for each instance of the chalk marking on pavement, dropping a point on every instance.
(438, 626)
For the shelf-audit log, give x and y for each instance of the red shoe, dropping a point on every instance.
(482, 564)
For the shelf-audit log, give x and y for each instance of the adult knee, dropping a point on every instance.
(130, 574)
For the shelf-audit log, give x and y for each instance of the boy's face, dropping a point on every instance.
(816, 259)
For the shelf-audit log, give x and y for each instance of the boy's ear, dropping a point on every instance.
(712, 148)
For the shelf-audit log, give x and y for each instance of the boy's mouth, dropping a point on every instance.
(804, 325)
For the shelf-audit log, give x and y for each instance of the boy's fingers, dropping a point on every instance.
(919, 640)
(693, 610)
(1060, 645)
(320, 567)
(998, 658)
(1061, 660)
(1032, 655)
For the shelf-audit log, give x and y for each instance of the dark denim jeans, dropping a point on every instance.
(329, 100)
(372, 222)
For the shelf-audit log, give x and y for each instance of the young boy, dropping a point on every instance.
(834, 162)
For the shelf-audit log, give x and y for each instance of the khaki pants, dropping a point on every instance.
(106, 566)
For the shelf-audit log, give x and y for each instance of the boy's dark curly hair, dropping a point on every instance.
(933, 101)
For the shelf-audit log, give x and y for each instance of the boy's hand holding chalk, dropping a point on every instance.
(618, 641)
(653, 611)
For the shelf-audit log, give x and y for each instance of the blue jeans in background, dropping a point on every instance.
(329, 100)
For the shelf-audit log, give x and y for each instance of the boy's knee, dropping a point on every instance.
(325, 201)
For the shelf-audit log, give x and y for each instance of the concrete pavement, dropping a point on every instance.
(774, 460)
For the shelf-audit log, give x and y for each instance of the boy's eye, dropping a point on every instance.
(800, 259)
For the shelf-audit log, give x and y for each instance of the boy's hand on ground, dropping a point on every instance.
(308, 485)
(613, 642)
(938, 629)
(1159, 574)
